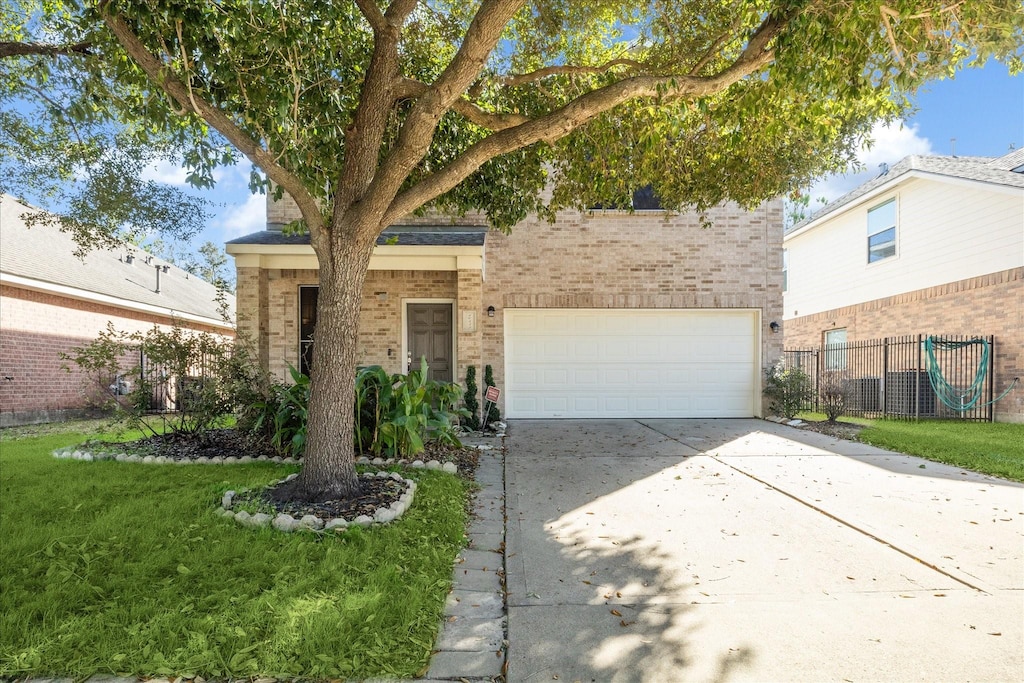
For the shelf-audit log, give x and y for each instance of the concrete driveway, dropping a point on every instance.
(742, 550)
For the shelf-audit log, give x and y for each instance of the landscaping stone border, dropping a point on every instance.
(78, 453)
(286, 523)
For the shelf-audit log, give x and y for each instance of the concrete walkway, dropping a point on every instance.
(742, 550)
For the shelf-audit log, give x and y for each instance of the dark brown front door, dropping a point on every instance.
(430, 336)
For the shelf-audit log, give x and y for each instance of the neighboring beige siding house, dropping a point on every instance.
(603, 314)
(935, 245)
(51, 301)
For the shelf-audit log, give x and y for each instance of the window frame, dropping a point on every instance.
(304, 355)
(785, 270)
(835, 359)
(892, 225)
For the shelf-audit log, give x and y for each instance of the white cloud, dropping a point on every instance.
(164, 171)
(241, 219)
(892, 143)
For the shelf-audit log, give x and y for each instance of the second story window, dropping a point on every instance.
(882, 231)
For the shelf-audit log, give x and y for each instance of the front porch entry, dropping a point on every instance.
(429, 334)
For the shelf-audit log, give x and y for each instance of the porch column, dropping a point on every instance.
(470, 307)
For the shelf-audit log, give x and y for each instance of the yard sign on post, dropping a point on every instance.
(490, 397)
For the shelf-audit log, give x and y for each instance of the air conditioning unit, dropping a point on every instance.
(865, 394)
(909, 393)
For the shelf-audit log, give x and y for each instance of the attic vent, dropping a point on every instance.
(1019, 169)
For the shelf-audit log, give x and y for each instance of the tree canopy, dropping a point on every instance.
(364, 111)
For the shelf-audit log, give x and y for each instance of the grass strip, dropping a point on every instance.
(115, 568)
(989, 448)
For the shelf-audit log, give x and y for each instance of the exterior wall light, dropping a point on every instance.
(490, 311)
(774, 326)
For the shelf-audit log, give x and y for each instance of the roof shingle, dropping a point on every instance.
(46, 254)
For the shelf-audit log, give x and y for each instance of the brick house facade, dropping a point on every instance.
(52, 302)
(599, 264)
(956, 266)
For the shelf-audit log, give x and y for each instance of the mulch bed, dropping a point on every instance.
(375, 493)
(839, 430)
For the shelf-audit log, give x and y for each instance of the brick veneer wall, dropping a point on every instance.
(380, 315)
(601, 260)
(640, 260)
(987, 305)
(35, 328)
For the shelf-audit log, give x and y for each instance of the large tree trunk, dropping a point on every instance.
(328, 472)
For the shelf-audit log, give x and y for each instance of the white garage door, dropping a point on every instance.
(578, 363)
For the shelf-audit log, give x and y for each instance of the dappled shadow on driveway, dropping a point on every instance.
(657, 552)
(596, 590)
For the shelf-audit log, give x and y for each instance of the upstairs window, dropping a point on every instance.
(643, 199)
(882, 231)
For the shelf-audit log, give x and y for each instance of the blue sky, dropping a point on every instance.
(982, 108)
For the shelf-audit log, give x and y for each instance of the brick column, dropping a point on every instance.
(468, 344)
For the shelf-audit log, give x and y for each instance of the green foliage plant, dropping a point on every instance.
(470, 402)
(493, 414)
(282, 416)
(414, 410)
(834, 393)
(396, 415)
(788, 389)
(196, 371)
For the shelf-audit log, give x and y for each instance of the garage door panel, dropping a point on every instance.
(614, 363)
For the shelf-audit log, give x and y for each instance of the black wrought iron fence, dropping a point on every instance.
(903, 377)
(169, 389)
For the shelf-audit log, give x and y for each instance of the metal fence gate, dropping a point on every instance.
(889, 377)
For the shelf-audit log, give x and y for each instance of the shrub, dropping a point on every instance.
(789, 390)
(283, 416)
(412, 409)
(157, 373)
(833, 393)
(493, 414)
(472, 405)
(394, 414)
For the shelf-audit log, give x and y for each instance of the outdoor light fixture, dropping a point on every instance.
(490, 311)
(773, 326)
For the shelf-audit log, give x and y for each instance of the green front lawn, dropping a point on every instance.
(989, 448)
(112, 567)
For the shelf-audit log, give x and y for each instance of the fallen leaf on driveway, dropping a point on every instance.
(996, 634)
(616, 612)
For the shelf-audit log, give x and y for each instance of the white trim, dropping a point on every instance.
(385, 257)
(95, 297)
(890, 186)
(405, 332)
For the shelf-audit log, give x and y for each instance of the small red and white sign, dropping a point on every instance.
(492, 394)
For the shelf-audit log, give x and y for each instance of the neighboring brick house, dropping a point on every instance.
(934, 245)
(51, 301)
(600, 314)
